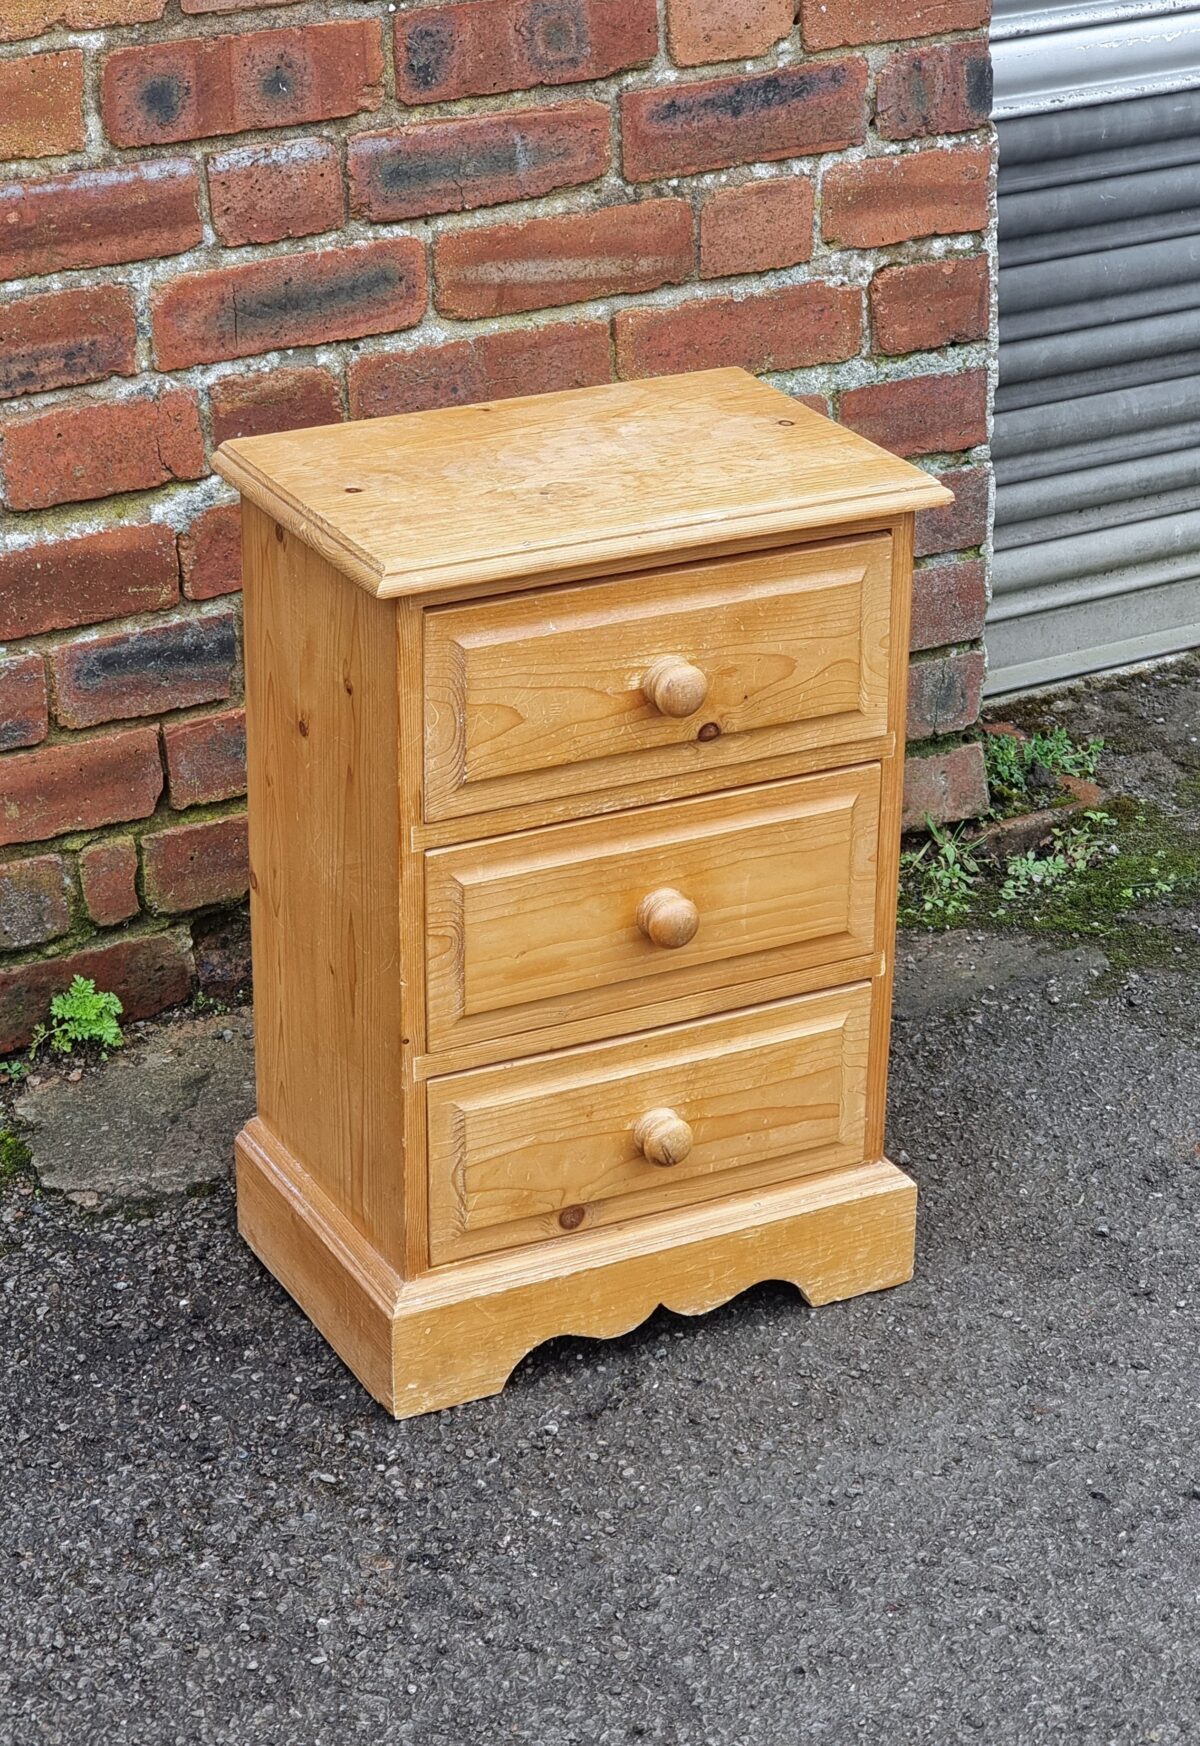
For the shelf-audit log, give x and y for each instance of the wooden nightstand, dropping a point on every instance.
(576, 731)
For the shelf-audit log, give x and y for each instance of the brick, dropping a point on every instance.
(65, 339)
(98, 218)
(141, 672)
(492, 366)
(41, 105)
(293, 300)
(276, 400)
(25, 18)
(502, 269)
(713, 30)
(949, 603)
(72, 453)
(196, 865)
(206, 758)
(79, 785)
(33, 901)
(108, 875)
(890, 200)
(62, 583)
(147, 973)
(930, 304)
(924, 415)
(757, 227)
(792, 111)
(779, 330)
(959, 525)
(481, 47)
(944, 693)
(24, 711)
(945, 785)
(261, 194)
(477, 160)
(210, 553)
(195, 87)
(942, 89)
(826, 24)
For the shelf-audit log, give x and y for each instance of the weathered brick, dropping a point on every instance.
(25, 18)
(491, 366)
(72, 453)
(477, 160)
(24, 717)
(930, 304)
(97, 218)
(33, 901)
(481, 47)
(108, 875)
(949, 603)
(221, 947)
(206, 758)
(944, 693)
(501, 269)
(210, 553)
(195, 87)
(292, 300)
(945, 785)
(260, 194)
(954, 527)
(826, 24)
(274, 400)
(889, 200)
(946, 88)
(195, 865)
(778, 330)
(65, 339)
(713, 30)
(141, 672)
(41, 105)
(112, 574)
(677, 129)
(924, 415)
(80, 784)
(147, 973)
(756, 227)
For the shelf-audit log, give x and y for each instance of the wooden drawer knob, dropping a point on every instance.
(668, 918)
(674, 686)
(662, 1137)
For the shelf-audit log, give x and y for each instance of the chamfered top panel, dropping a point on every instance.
(595, 478)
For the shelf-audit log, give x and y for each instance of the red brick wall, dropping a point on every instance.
(219, 218)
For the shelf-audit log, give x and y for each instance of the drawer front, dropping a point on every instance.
(529, 932)
(574, 688)
(521, 1153)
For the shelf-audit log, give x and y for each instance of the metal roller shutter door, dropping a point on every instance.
(1097, 433)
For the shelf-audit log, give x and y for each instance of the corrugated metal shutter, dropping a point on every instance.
(1097, 436)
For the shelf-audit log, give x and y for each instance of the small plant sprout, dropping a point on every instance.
(81, 1017)
(943, 874)
(1018, 769)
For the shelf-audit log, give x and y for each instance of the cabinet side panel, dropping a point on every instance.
(321, 695)
(890, 812)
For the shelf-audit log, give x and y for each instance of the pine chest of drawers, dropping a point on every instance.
(575, 736)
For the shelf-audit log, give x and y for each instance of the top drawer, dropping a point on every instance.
(577, 688)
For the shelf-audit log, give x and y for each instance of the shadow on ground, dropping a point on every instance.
(968, 1509)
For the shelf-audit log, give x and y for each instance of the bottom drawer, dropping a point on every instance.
(583, 1137)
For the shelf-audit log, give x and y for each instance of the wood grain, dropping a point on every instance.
(458, 1332)
(553, 692)
(764, 1095)
(593, 478)
(536, 930)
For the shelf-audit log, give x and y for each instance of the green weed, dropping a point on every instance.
(81, 1017)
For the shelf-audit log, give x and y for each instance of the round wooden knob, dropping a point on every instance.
(674, 686)
(662, 1137)
(668, 918)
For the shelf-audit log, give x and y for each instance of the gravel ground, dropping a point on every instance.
(967, 1509)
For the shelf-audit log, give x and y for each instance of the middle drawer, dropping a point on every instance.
(552, 926)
